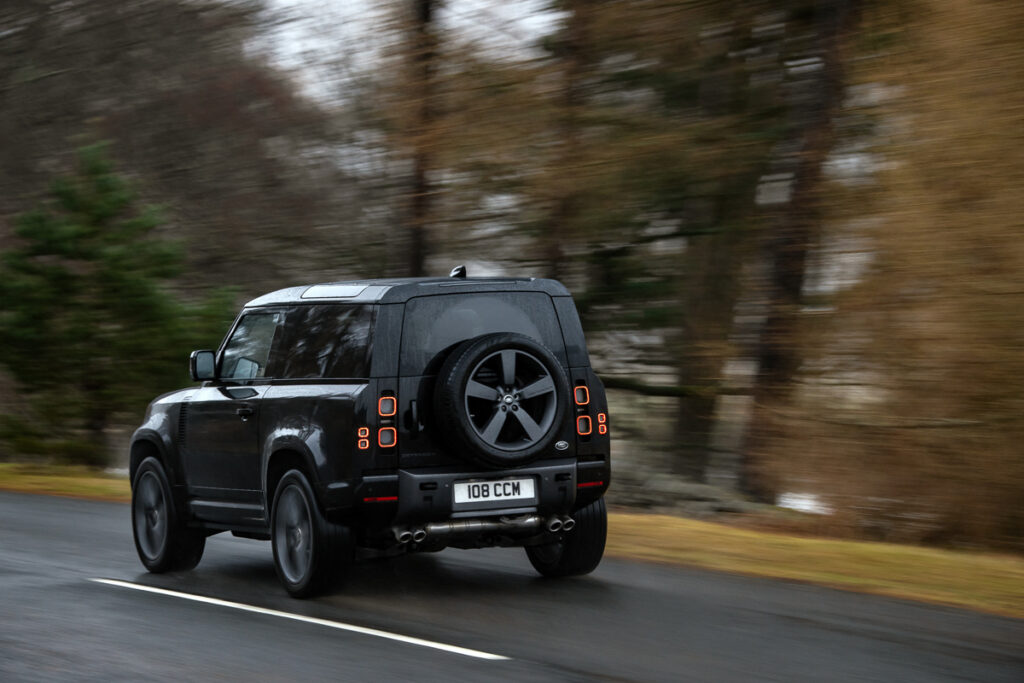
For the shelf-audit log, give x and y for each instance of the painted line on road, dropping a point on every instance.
(341, 626)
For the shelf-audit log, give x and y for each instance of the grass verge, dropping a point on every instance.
(980, 581)
(64, 480)
(986, 582)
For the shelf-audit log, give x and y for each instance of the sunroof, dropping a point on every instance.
(333, 291)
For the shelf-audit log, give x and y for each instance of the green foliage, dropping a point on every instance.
(87, 324)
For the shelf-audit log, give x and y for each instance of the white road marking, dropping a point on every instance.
(341, 626)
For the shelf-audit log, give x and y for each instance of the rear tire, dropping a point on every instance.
(578, 551)
(311, 554)
(162, 540)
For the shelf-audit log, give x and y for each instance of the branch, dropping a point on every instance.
(672, 390)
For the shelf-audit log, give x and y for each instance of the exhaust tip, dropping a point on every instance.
(568, 524)
(403, 535)
(554, 524)
(419, 536)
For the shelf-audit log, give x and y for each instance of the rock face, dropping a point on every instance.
(675, 495)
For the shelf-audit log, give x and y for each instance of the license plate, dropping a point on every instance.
(503, 489)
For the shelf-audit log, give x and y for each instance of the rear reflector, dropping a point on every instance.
(387, 406)
(583, 426)
(589, 484)
(582, 395)
(381, 499)
(387, 437)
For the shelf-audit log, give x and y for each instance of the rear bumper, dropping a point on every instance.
(427, 495)
(422, 495)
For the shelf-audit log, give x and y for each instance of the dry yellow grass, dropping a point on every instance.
(981, 581)
(67, 481)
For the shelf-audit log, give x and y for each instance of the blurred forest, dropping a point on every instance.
(793, 228)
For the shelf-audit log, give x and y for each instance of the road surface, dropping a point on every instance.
(451, 616)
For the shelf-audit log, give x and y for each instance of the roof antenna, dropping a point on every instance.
(458, 271)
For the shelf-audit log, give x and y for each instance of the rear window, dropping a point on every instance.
(325, 341)
(435, 324)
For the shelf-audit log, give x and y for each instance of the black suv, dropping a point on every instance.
(385, 415)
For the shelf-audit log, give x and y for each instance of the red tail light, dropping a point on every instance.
(387, 437)
(583, 425)
(581, 395)
(387, 406)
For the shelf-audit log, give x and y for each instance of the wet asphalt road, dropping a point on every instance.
(625, 622)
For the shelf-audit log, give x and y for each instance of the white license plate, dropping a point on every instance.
(503, 489)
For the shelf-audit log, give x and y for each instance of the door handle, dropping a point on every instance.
(413, 423)
(244, 412)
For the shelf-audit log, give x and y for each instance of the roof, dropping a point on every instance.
(400, 290)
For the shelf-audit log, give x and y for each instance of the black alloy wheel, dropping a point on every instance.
(162, 540)
(311, 554)
(150, 511)
(293, 527)
(501, 399)
(510, 399)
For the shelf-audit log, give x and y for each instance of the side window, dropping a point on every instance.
(326, 341)
(248, 350)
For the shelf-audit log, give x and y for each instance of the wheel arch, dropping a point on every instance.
(287, 457)
(144, 446)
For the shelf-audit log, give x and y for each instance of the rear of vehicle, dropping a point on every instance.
(492, 423)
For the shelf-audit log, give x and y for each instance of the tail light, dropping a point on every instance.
(387, 437)
(387, 406)
(583, 425)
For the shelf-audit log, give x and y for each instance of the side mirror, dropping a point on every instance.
(201, 365)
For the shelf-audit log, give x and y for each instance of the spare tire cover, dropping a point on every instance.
(500, 399)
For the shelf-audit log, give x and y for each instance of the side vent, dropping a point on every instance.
(182, 421)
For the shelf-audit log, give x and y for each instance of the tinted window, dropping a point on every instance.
(433, 324)
(247, 352)
(325, 340)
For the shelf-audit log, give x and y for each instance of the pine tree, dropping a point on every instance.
(87, 325)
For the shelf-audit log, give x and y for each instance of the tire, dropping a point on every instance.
(578, 551)
(311, 554)
(162, 540)
(501, 400)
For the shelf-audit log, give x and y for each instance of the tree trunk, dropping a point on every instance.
(424, 53)
(565, 211)
(708, 294)
(793, 231)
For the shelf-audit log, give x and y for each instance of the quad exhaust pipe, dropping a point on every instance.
(406, 535)
(470, 526)
(563, 523)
